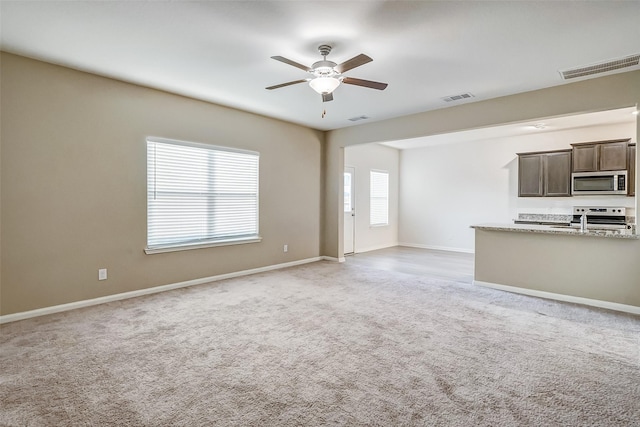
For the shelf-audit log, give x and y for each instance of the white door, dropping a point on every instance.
(349, 210)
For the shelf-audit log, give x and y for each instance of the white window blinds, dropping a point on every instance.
(379, 198)
(199, 194)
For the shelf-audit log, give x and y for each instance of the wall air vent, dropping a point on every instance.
(603, 67)
(355, 119)
(457, 97)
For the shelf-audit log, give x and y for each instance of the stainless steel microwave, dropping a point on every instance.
(597, 183)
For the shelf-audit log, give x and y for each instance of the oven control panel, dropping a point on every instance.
(599, 210)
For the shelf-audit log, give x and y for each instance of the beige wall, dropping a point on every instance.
(596, 268)
(73, 178)
(73, 182)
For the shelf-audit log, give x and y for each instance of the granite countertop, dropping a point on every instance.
(558, 230)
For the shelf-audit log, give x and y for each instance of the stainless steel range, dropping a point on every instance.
(600, 217)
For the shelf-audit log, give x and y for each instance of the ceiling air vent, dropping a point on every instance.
(457, 97)
(603, 67)
(355, 119)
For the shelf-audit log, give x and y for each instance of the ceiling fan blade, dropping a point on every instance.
(327, 97)
(364, 83)
(285, 84)
(290, 62)
(354, 62)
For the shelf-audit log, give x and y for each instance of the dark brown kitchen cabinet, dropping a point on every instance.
(530, 176)
(600, 155)
(544, 174)
(558, 173)
(632, 169)
(613, 156)
(585, 158)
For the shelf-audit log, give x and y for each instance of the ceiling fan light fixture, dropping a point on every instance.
(326, 75)
(324, 85)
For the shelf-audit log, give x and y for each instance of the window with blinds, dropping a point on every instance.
(379, 198)
(200, 195)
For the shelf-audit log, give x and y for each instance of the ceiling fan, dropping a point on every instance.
(327, 75)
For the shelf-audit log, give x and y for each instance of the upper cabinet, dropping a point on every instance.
(558, 173)
(544, 174)
(632, 169)
(613, 156)
(600, 156)
(530, 169)
(585, 158)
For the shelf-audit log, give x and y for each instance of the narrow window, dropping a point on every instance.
(200, 195)
(379, 198)
(347, 192)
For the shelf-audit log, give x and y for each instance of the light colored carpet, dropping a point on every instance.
(323, 344)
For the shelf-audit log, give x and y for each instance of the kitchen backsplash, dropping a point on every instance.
(544, 217)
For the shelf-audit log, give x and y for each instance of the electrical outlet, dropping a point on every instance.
(102, 274)
(286, 248)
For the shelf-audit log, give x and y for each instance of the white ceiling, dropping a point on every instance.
(219, 51)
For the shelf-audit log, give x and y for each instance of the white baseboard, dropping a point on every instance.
(560, 297)
(437, 248)
(156, 289)
(375, 248)
(333, 259)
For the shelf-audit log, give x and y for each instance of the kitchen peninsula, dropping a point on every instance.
(560, 263)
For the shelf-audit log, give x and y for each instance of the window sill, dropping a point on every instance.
(188, 247)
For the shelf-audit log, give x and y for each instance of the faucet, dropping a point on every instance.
(583, 223)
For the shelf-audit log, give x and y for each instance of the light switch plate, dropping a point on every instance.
(102, 274)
